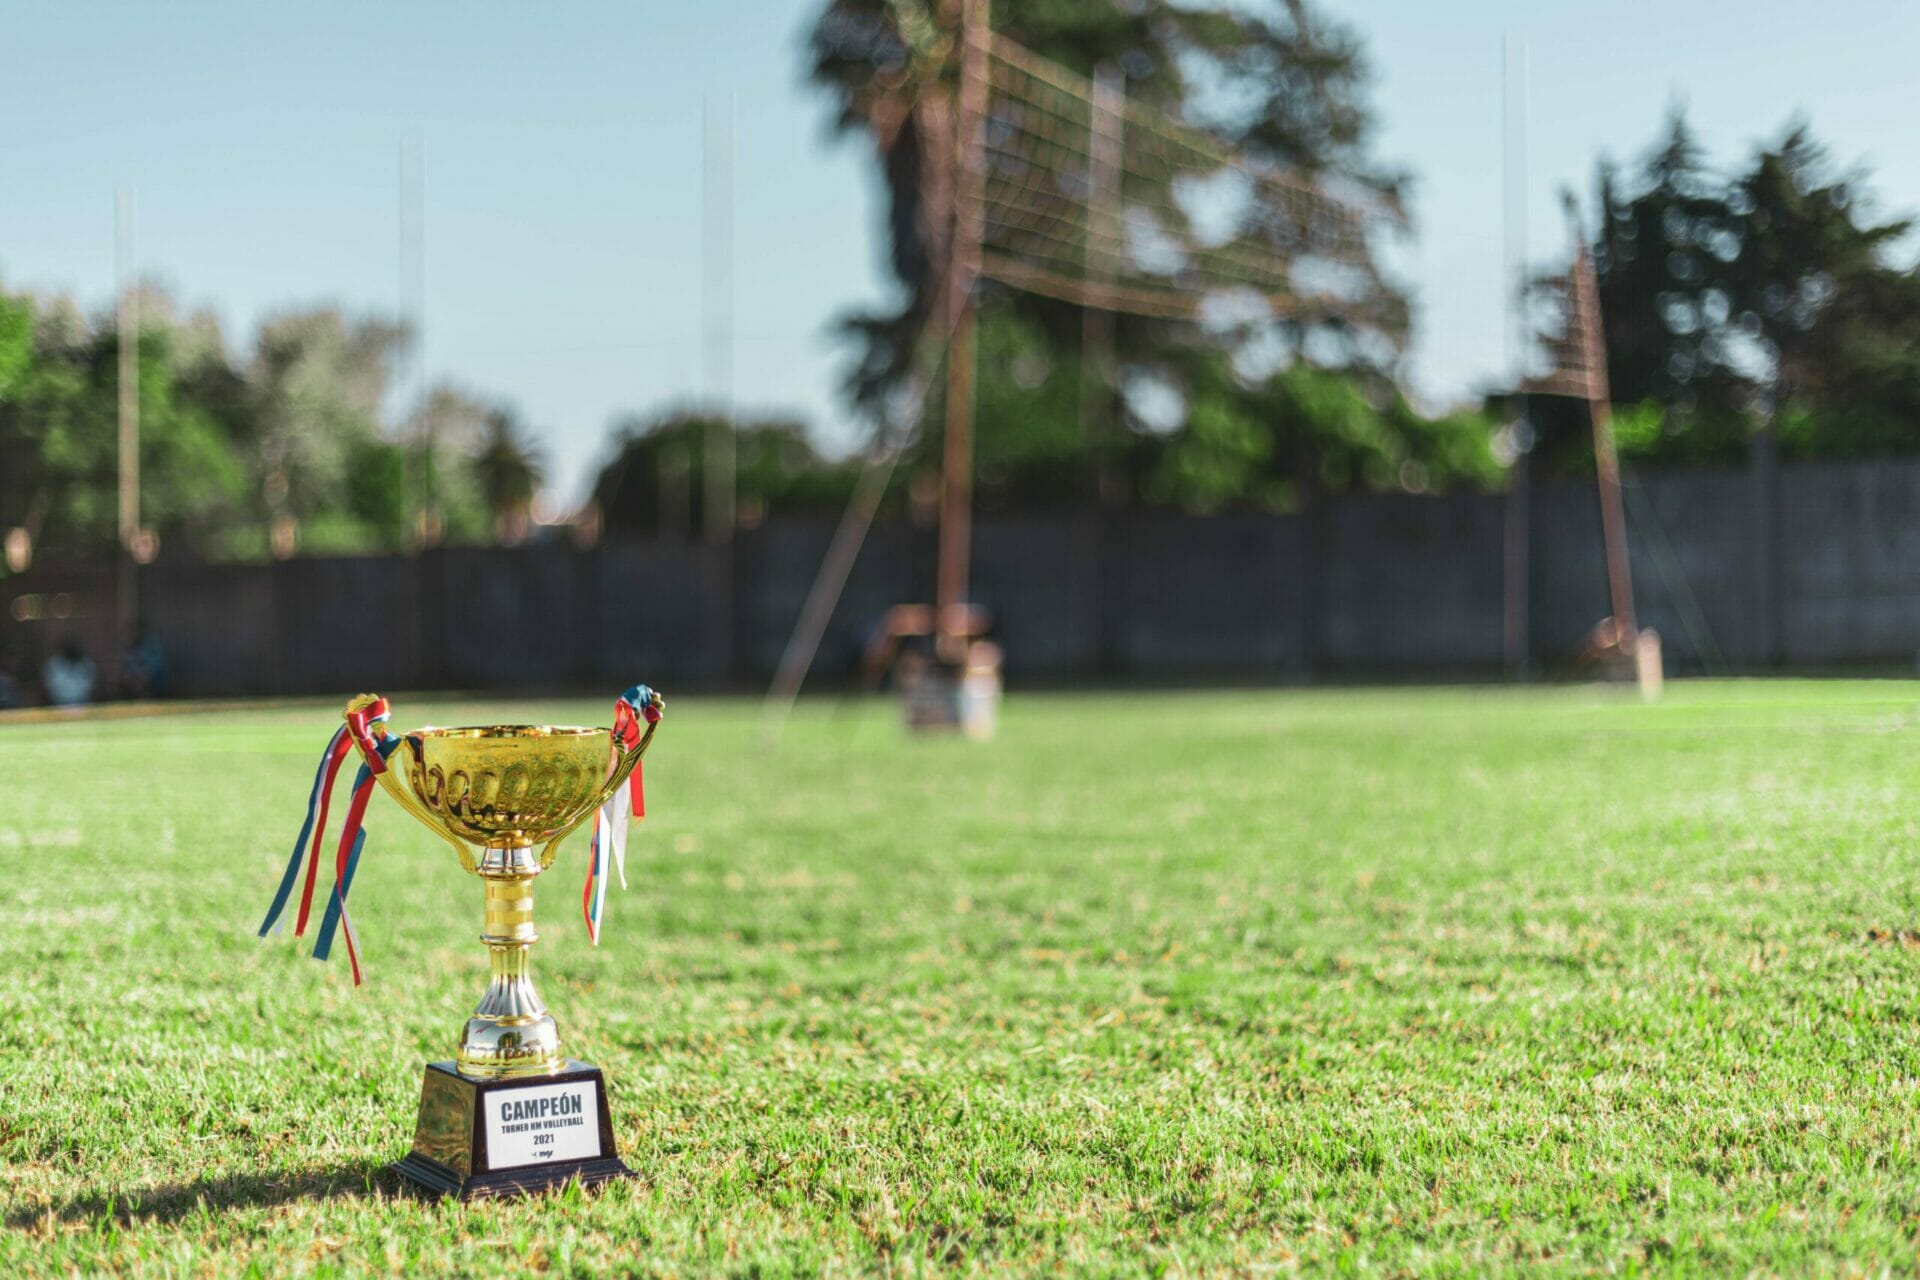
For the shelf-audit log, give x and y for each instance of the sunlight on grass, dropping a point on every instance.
(1418, 981)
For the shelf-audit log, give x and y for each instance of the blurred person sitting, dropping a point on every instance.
(143, 666)
(68, 675)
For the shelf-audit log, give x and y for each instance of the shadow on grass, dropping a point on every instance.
(172, 1201)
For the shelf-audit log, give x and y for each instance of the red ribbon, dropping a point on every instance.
(313, 857)
(349, 830)
(360, 731)
(586, 890)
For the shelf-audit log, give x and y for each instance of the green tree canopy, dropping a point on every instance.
(296, 430)
(654, 481)
(1276, 81)
(1200, 435)
(1768, 296)
(59, 405)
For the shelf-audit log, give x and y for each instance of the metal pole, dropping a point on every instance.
(128, 322)
(717, 299)
(1613, 524)
(1763, 473)
(415, 497)
(418, 522)
(856, 520)
(720, 482)
(403, 353)
(1105, 123)
(1518, 560)
(963, 270)
(1518, 565)
(1093, 543)
(848, 537)
(1606, 462)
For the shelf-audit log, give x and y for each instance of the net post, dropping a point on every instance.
(963, 268)
(1105, 125)
(1613, 515)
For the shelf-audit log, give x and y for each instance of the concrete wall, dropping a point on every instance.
(1740, 569)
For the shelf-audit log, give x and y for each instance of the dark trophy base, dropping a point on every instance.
(509, 1137)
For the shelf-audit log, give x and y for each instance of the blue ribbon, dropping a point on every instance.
(323, 943)
(292, 875)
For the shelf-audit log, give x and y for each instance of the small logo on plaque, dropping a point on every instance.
(542, 1124)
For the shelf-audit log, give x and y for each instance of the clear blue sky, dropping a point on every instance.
(563, 180)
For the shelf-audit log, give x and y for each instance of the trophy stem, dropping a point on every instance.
(511, 1033)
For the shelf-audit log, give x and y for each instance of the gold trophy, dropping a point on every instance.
(511, 1112)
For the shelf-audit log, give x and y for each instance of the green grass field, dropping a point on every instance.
(1406, 981)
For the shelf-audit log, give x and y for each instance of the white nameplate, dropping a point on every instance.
(542, 1124)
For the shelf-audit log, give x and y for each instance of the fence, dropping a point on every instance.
(1741, 569)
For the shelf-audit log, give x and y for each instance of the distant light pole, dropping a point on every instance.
(410, 377)
(126, 601)
(716, 259)
(1517, 567)
(720, 465)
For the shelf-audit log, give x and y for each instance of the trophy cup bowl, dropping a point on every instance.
(507, 788)
(512, 1112)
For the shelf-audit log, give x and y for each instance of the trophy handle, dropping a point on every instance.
(622, 769)
(403, 796)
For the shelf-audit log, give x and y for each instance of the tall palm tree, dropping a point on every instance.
(1276, 81)
(508, 468)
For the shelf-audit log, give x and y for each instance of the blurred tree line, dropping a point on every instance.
(655, 481)
(289, 445)
(1770, 297)
(1765, 298)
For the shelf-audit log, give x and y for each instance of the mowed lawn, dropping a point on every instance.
(1399, 981)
